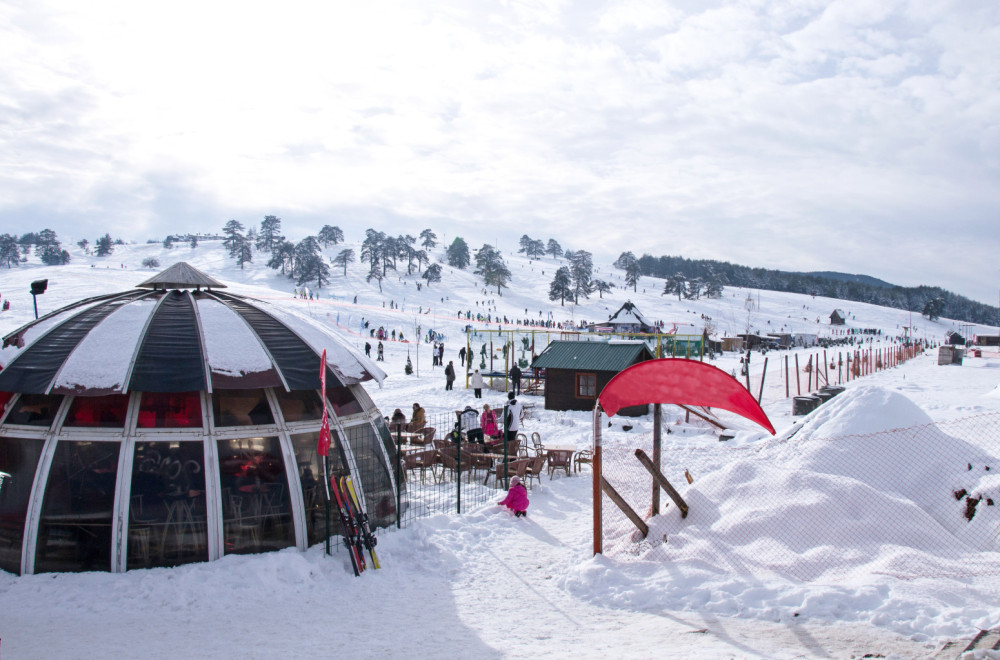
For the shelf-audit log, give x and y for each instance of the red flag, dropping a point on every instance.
(323, 449)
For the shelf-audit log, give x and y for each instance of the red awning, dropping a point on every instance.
(679, 381)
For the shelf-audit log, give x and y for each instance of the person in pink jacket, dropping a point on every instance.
(517, 498)
(488, 422)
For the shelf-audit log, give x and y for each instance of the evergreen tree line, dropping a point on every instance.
(932, 302)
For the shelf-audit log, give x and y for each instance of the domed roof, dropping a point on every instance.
(176, 340)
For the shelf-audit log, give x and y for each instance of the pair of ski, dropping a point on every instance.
(358, 535)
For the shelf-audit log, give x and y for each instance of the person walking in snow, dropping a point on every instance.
(512, 417)
(381, 355)
(517, 498)
(461, 356)
(476, 381)
(515, 380)
(449, 374)
(368, 349)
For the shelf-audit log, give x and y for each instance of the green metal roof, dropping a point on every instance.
(591, 355)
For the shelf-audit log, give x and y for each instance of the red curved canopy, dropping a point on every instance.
(679, 381)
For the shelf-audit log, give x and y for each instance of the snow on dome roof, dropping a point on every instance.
(174, 341)
(182, 275)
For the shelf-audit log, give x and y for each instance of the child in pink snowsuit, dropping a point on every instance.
(517, 498)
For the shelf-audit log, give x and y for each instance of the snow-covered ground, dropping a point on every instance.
(487, 585)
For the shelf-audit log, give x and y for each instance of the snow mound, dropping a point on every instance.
(861, 410)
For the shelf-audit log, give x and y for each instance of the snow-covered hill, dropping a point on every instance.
(489, 585)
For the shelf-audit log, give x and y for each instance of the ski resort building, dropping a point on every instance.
(628, 319)
(577, 371)
(178, 423)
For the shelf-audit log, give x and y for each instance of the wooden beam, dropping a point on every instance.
(708, 419)
(660, 479)
(626, 509)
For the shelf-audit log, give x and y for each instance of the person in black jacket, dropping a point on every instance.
(515, 380)
(449, 374)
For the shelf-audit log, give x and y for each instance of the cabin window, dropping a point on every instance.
(586, 386)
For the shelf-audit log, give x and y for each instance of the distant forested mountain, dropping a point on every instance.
(860, 288)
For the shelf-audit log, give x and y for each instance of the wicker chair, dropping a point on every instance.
(581, 458)
(535, 469)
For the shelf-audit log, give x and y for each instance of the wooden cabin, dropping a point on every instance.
(577, 371)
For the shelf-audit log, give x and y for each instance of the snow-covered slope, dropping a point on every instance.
(489, 585)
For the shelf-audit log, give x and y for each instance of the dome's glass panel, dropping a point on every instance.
(98, 411)
(35, 409)
(300, 405)
(256, 510)
(374, 474)
(18, 462)
(343, 401)
(174, 410)
(241, 408)
(167, 511)
(74, 533)
(310, 469)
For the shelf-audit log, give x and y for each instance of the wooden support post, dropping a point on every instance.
(760, 393)
(798, 382)
(596, 490)
(660, 479)
(708, 419)
(657, 417)
(786, 376)
(826, 373)
(626, 509)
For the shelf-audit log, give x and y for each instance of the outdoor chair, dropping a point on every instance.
(422, 461)
(559, 460)
(536, 441)
(505, 471)
(535, 468)
(428, 432)
(584, 456)
(522, 444)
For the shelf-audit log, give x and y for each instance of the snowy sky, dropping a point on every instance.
(847, 135)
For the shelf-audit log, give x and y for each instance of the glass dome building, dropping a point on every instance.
(177, 423)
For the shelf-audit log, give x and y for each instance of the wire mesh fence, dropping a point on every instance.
(453, 465)
(919, 502)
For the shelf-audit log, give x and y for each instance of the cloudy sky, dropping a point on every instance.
(852, 135)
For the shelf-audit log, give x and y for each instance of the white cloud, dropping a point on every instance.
(816, 123)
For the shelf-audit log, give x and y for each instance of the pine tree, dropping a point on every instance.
(429, 239)
(490, 264)
(432, 274)
(309, 263)
(562, 286)
(330, 236)
(581, 268)
(104, 246)
(458, 253)
(554, 248)
(282, 257)
(244, 252)
(10, 251)
(603, 287)
(343, 258)
(234, 237)
(269, 236)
